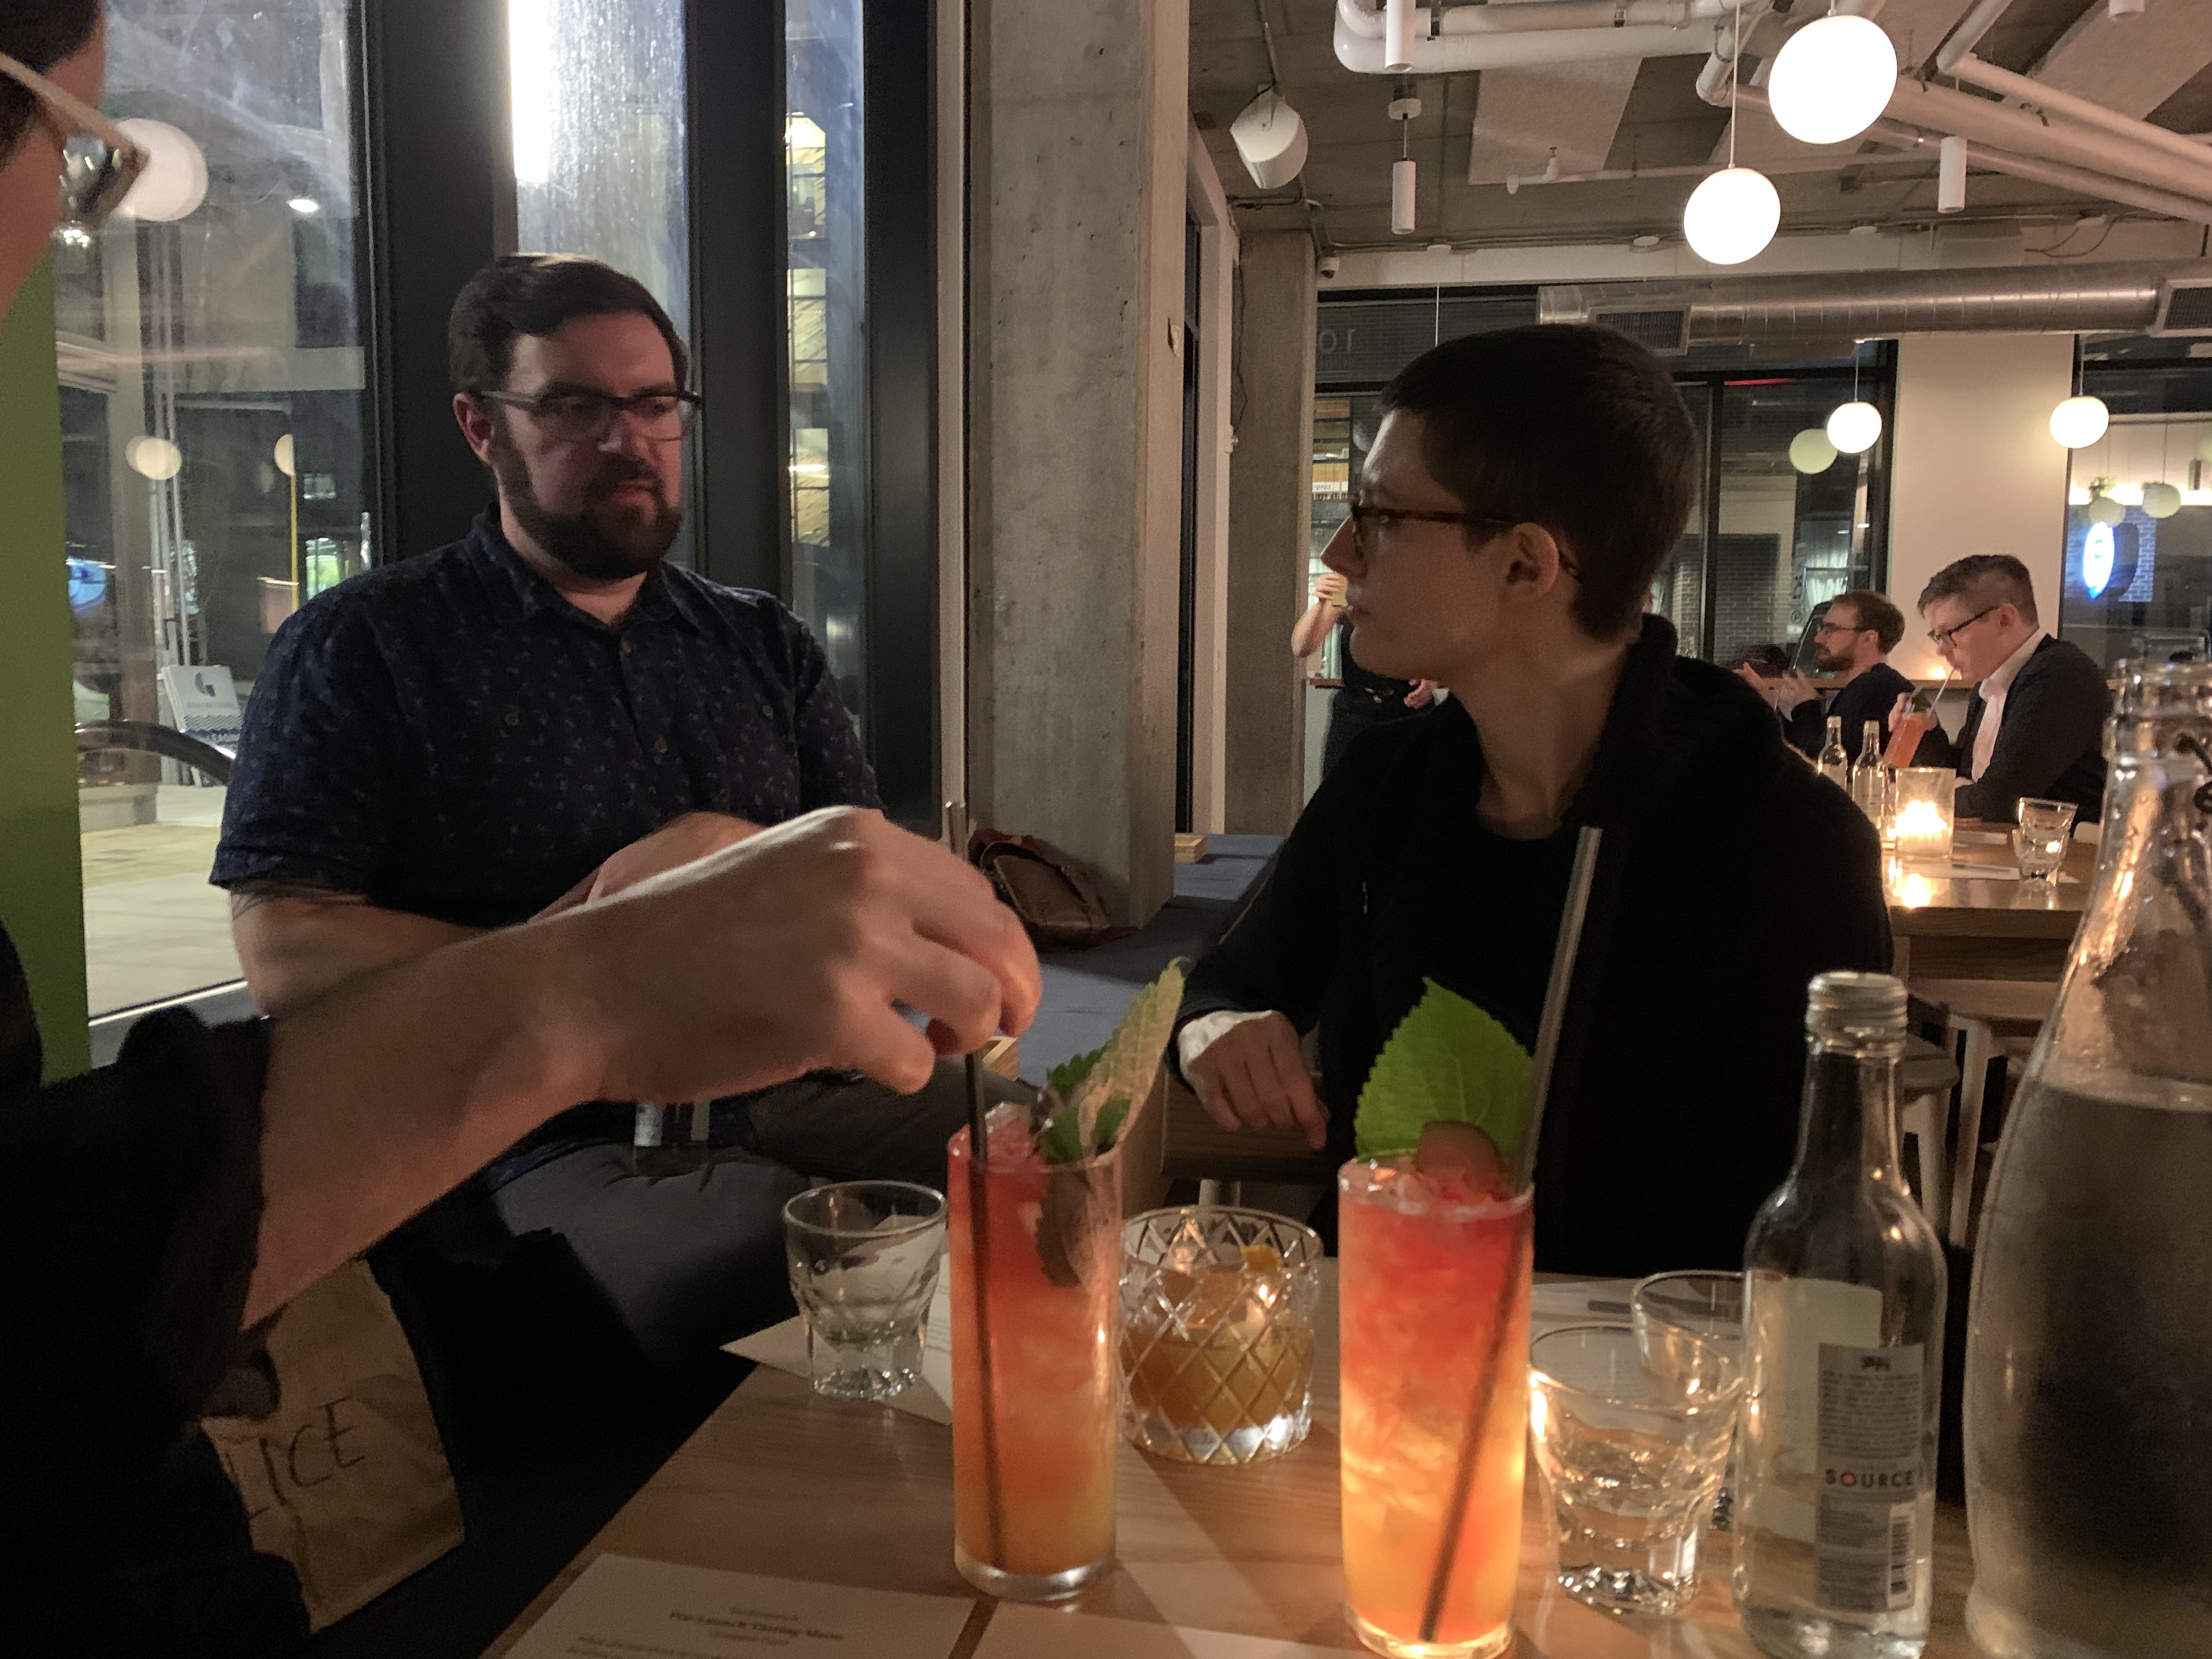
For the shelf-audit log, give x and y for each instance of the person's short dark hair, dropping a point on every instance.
(1769, 661)
(1875, 611)
(39, 34)
(534, 294)
(1575, 427)
(1983, 579)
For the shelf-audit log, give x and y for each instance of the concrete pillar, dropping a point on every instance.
(1975, 468)
(1077, 116)
(1270, 509)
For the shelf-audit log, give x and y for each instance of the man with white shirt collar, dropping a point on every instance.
(2035, 725)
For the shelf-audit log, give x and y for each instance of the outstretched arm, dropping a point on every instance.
(1311, 629)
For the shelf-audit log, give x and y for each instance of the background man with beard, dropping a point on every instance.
(1854, 639)
(546, 713)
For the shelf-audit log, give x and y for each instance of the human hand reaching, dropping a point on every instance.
(675, 844)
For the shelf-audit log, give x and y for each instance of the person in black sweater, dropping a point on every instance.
(2035, 725)
(1857, 634)
(1523, 489)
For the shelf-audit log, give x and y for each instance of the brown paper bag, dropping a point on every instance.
(347, 1478)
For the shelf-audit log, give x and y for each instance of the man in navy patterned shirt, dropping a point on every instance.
(541, 715)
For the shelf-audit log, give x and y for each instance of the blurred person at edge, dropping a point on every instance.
(151, 1211)
(2035, 725)
(1855, 635)
(1364, 699)
(1523, 489)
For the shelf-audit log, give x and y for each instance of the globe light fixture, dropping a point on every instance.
(1854, 427)
(156, 459)
(175, 181)
(1731, 216)
(2103, 509)
(1832, 79)
(2161, 501)
(2127, 494)
(2078, 422)
(1811, 452)
(285, 456)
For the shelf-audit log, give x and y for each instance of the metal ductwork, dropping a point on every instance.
(1875, 305)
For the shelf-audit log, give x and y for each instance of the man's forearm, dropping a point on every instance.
(294, 944)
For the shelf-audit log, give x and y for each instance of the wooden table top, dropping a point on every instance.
(1925, 904)
(779, 1482)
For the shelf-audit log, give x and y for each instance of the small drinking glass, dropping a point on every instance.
(1633, 1453)
(864, 1257)
(1217, 1333)
(2040, 841)
(1706, 1305)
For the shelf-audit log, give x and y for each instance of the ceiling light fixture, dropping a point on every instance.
(1853, 428)
(2077, 422)
(1270, 139)
(1405, 173)
(1810, 451)
(1951, 176)
(175, 181)
(2103, 509)
(1832, 79)
(304, 205)
(1732, 214)
(2161, 501)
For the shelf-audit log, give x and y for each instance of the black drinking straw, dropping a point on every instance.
(979, 1255)
(1524, 1164)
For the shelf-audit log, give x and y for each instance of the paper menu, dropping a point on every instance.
(1024, 1633)
(621, 1607)
(784, 1348)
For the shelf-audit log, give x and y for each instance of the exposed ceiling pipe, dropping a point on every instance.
(1552, 32)
(1527, 17)
(1883, 304)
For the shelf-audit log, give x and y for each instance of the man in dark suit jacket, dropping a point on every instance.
(2035, 725)
(1857, 634)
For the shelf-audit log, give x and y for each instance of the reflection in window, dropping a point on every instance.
(1337, 455)
(2137, 573)
(826, 231)
(209, 347)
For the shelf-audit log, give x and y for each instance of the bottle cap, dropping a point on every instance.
(1844, 1004)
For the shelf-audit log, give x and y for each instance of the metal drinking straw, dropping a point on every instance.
(1524, 1164)
(979, 1257)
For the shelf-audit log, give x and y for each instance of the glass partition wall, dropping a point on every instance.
(209, 344)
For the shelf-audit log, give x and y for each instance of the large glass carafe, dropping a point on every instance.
(2088, 1409)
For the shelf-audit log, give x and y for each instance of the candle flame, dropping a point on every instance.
(1921, 821)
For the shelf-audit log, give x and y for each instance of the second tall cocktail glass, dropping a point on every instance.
(1033, 1451)
(1434, 1315)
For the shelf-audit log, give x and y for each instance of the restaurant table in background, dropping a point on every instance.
(782, 1483)
(2001, 928)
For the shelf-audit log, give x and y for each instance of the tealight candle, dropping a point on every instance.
(1922, 814)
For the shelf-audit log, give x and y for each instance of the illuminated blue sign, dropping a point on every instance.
(2097, 557)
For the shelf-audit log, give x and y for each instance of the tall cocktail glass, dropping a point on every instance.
(1033, 1453)
(1433, 1294)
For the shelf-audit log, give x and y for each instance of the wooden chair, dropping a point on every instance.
(1984, 1021)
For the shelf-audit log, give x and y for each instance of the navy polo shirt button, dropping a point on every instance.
(514, 717)
(626, 648)
(660, 746)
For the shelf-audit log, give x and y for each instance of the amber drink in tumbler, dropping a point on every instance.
(1434, 1310)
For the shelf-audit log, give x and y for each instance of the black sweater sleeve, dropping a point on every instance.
(2052, 718)
(129, 1209)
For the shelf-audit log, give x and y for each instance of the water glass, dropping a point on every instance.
(1633, 1453)
(1704, 1306)
(864, 1257)
(2040, 841)
(1218, 1332)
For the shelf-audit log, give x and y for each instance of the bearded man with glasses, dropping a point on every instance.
(2035, 725)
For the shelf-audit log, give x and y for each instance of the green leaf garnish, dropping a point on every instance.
(1066, 1078)
(1447, 1062)
(1102, 1090)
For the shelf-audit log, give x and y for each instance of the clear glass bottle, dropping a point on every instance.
(1835, 760)
(1870, 776)
(2088, 1403)
(1844, 1288)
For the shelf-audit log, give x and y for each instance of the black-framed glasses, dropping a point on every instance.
(1943, 636)
(577, 414)
(1368, 524)
(1827, 626)
(100, 161)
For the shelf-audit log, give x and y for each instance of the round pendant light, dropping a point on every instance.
(156, 459)
(2103, 509)
(2161, 501)
(175, 181)
(1854, 427)
(1731, 216)
(1832, 79)
(2078, 422)
(1811, 452)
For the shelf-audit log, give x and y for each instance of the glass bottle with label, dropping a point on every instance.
(2088, 1402)
(1844, 1288)
(1869, 777)
(1835, 759)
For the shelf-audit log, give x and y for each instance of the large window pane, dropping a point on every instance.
(2140, 585)
(212, 409)
(824, 223)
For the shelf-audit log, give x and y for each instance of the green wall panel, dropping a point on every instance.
(42, 881)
